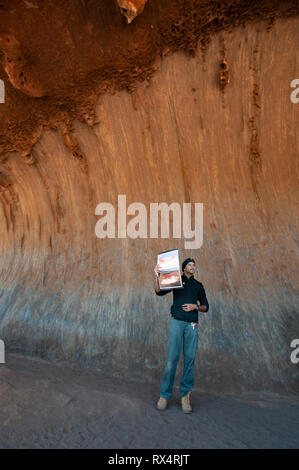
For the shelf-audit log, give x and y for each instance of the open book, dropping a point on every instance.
(170, 274)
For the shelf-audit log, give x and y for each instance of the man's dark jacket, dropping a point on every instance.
(190, 293)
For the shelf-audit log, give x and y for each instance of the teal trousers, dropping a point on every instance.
(180, 332)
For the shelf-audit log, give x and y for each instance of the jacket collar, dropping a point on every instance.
(185, 278)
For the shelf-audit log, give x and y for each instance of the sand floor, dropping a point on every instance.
(50, 405)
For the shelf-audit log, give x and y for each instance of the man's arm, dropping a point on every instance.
(204, 304)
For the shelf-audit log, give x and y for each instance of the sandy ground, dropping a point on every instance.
(51, 405)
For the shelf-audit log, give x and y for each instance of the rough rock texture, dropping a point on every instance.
(109, 108)
(131, 9)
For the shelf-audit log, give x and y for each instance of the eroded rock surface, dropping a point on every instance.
(15, 65)
(131, 8)
(189, 103)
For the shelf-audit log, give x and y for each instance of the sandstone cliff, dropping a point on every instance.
(190, 102)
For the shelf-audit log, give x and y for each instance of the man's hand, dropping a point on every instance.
(157, 269)
(189, 307)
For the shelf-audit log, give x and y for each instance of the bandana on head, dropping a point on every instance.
(187, 260)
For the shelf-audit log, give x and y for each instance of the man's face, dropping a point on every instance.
(190, 268)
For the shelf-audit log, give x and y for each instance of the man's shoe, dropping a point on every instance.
(162, 403)
(186, 407)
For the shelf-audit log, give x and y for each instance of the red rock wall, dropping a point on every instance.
(217, 128)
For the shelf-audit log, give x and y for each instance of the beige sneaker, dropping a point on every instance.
(186, 407)
(162, 403)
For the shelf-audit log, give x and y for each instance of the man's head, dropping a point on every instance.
(188, 266)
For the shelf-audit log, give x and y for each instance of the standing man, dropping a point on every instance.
(187, 302)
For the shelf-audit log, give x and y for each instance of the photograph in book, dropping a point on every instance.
(170, 273)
